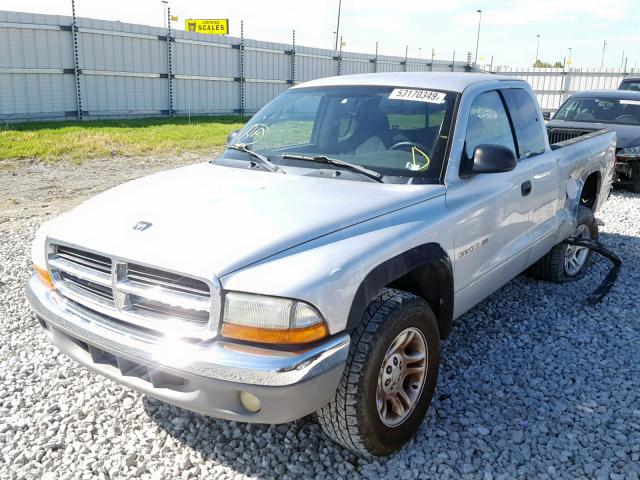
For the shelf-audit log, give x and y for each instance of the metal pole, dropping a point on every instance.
(406, 56)
(293, 58)
(164, 4)
(453, 62)
(604, 47)
(76, 59)
(622, 59)
(537, 50)
(375, 60)
(491, 66)
(338, 26)
(478, 39)
(340, 58)
(242, 99)
(169, 62)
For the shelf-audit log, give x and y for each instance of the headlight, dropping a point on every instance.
(39, 256)
(630, 152)
(273, 320)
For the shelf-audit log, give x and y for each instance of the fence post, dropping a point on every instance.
(169, 63)
(339, 59)
(242, 99)
(406, 56)
(293, 58)
(375, 60)
(566, 84)
(76, 59)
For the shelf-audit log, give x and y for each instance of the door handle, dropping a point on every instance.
(525, 188)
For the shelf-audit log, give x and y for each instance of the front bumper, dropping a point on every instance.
(205, 377)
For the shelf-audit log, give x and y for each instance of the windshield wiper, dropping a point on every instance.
(263, 160)
(338, 163)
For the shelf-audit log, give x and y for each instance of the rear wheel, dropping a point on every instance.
(389, 378)
(566, 262)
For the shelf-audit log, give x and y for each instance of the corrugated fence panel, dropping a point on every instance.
(206, 97)
(259, 93)
(114, 95)
(36, 96)
(124, 69)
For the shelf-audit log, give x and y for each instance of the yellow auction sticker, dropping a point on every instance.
(210, 26)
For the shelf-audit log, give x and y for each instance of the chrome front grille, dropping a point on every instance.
(144, 296)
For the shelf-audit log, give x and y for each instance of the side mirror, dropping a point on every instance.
(546, 115)
(232, 136)
(488, 159)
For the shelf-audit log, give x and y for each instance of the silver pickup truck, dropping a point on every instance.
(317, 264)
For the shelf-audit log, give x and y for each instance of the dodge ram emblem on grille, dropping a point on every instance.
(142, 226)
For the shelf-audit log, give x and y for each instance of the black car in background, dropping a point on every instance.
(617, 110)
(630, 83)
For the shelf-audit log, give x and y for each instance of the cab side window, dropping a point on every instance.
(528, 126)
(488, 123)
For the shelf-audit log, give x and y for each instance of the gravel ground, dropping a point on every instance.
(533, 384)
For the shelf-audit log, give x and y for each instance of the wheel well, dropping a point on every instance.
(424, 271)
(589, 193)
(424, 282)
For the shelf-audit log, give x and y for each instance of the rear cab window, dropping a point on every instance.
(528, 126)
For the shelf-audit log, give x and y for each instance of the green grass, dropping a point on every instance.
(104, 138)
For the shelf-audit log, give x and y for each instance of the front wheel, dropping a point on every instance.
(390, 376)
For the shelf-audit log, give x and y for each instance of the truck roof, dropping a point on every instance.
(451, 81)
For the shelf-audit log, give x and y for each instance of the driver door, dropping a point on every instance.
(491, 212)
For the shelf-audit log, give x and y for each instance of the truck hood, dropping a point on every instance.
(212, 220)
(627, 135)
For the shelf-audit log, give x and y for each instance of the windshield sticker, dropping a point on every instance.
(415, 95)
(253, 134)
(629, 102)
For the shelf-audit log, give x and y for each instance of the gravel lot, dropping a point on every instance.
(533, 383)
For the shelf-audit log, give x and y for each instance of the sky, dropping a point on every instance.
(508, 33)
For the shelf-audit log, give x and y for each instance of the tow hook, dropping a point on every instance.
(597, 247)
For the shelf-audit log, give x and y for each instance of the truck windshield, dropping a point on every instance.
(633, 85)
(398, 132)
(600, 110)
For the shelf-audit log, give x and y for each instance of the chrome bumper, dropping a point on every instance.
(205, 377)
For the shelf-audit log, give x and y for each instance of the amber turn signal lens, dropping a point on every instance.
(44, 276)
(274, 336)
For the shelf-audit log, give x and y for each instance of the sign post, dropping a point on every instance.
(210, 26)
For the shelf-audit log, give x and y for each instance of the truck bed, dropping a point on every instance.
(562, 136)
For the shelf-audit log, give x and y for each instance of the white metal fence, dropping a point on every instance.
(55, 67)
(553, 85)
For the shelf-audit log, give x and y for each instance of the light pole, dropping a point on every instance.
(420, 52)
(338, 26)
(478, 38)
(604, 47)
(164, 4)
(537, 49)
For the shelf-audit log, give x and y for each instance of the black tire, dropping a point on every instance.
(551, 267)
(351, 418)
(634, 187)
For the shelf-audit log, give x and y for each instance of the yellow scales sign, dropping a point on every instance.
(207, 26)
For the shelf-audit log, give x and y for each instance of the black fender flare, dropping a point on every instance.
(430, 272)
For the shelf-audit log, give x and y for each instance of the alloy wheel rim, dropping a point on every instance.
(576, 256)
(401, 377)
